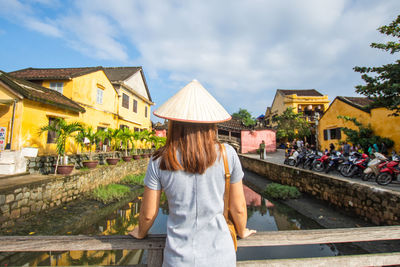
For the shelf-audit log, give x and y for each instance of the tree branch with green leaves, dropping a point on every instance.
(383, 86)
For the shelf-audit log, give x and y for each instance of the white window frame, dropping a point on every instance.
(99, 96)
(57, 86)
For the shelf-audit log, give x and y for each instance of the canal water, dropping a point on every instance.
(263, 215)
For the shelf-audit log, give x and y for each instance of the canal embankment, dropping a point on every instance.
(22, 197)
(374, 204)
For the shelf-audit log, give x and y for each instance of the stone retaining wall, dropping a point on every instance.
(378, 205)
(20, 201)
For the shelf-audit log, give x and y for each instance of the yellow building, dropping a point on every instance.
(329, 129)
(308, 101)
(134, 96)
(24, 107)
(101, 99)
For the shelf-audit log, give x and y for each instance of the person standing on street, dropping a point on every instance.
(346, 149)
(262, 149)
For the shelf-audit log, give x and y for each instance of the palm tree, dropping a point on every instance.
(158, 141)
(63, 130)
(91, 137)
(125, 135)
(137, 136)
(112, 136)
(102, 136)
(145, 136)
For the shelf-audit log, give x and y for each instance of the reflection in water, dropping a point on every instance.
(266, 216)
(262, 216)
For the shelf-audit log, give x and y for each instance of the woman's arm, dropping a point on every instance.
(238, 209)
(148, 212)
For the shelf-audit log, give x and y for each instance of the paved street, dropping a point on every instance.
(279, 156)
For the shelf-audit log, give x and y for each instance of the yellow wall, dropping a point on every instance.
(130, 118)
(282, 102)
(386, 126)
(134, 119)
(67, 86)
(36, 115)
(6, 111)
(381, 124)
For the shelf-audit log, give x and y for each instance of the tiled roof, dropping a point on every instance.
(300, 92)
(358, 102)
(114, 74)
(160, 126)
(119, 74)
(52, 73)
(38, 93)
(233, 124)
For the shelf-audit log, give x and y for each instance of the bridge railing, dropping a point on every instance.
(155, 244)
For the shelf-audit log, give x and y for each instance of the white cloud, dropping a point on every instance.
(23, 13)
(93, 35)
(42, 27)
(242, 50)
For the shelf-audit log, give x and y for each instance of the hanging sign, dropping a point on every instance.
(3, 131)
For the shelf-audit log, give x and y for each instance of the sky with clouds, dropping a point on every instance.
(241, 51)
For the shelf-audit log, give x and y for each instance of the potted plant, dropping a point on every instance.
(89, 141)
(102, 138)
(63, 131)
(125, 135)
(112, 136)
(136, 137)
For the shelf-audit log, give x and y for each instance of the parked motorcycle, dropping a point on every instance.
(288, 152)
(346, 166)
(359, 166)
(320, 164)
(310, 158)
(374, 166)
(334, 161)
(301, 158)
(293, 158)
(389, 172)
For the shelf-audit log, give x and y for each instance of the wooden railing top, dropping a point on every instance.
(276, 238)
(273, 238)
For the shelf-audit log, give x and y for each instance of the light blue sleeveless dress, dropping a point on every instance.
(197, 233)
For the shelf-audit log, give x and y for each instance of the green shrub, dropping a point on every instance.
(278, 191)
(134, 179)
(110, 193)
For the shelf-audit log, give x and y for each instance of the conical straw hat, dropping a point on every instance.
(193, 104)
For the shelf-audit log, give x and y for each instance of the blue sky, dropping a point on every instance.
(241, 51)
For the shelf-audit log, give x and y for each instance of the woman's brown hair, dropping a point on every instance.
(195, 143)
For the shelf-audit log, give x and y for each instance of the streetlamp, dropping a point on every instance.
(316, 117)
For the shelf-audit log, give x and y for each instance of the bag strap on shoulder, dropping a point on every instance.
(227, 180)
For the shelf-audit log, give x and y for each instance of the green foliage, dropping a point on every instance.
(291, 125)
(125, 136)
(134, 179)
(364, 135)
(158, 141)
(110, 193)
(384, 85)
(245, 117)
(63, 130)
(87, 133)
(278, 191)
